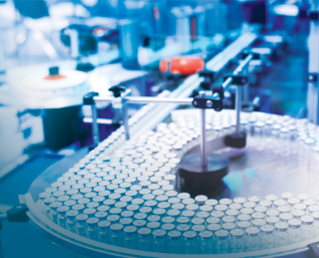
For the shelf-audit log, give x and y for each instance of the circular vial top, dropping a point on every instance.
(189, 235)
(174, 234)
(159, 233)
(252, 231)
(144, 232)
(222, 234)
(130, 230)
(267, 229)
(237, 233)
(92, 221)
(104, 224)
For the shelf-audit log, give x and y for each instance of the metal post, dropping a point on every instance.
(125, 121)
(95, 126)
(1, 251)
(238, 108)
(203, 150)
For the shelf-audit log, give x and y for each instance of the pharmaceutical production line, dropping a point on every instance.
(185, 157)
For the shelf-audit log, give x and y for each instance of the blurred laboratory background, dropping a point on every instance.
(54, 52)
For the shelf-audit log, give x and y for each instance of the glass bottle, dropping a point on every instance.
(294, 231)
(130, 237)
(92, 228)
(104, 231)
(237, 244)
(116, 235)
(80, 227)
(267, 237)
(222, 244)
(144, 240)
(159, 240)
(281, 235)
(62, 216)
(252, 242)
(307, 227)
(71, 221)
(174, 243)
(190, 246)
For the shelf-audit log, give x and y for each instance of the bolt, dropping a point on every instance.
(209, 103)
(195, 103)
(243, 80)
(310, 77)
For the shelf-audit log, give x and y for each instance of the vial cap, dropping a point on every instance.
(294, 222)
(287, 195)
(92, 221)
(206, 234)
(183, 227)
(182, 220)
(258, 215)
(221, 234)
(280, 202)
(211, 202)
(272, 220)
(189, 235)
(153, 225)
(63, 209)
(300, 206)
(198, 228)
(250, 205)
(267, 228)
(174, 234)
(255, 199)
(244, 217)
(129, 230)
(159, 233)
(225, 201)
(281, 225)
(237, 232)
(239, 200)
(168, 227)
(82, 217)
(260, 209)
(144, 231)
(271, 197)
(285, 216)
(168, 219)
(272, 212)
(252, 231)
(72, 213)
(306, 219)
(228, 226)
(243, 224)
(258, 222)
(213, 227)
(235, 206)
(217, 214)
(213, 220)
(116, 227)
(104, 224)
(284, 209)
(221, 207)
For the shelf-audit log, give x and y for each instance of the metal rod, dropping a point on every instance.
(238, 108)
(1, 251)
(243, 64)
(125, 121)
(146, 100)
(239, 69)
(95, 126)
(203, 150)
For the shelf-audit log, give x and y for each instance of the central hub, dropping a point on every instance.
(197, 180)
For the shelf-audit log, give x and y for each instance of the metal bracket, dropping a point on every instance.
(208, 102)
(312, 77)
(313, 15)
(88, 98)
(244, 54)
(237, 80)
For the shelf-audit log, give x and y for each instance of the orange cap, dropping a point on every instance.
(182, 65)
